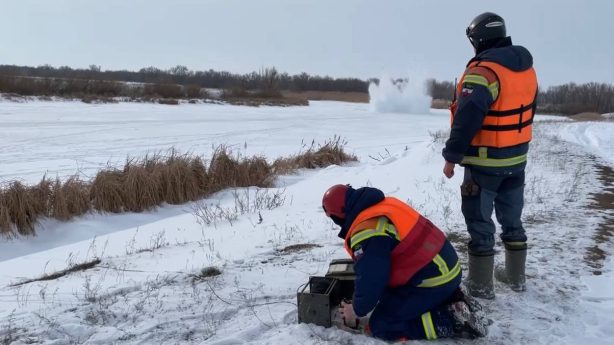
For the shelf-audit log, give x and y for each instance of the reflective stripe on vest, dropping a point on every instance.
(383, 228)
(481, 80)
(483, 160)
(494, 162)
(510, 117)
(446, 274)
(429, 327)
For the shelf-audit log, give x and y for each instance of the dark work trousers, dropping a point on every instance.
(399, 313)
(388, 323)
(480, 193)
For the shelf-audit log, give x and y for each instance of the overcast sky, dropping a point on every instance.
(570, 40)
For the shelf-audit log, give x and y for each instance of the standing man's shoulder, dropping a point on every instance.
(480, 76)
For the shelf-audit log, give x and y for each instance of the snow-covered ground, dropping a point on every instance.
(149, 289)
(597, 137)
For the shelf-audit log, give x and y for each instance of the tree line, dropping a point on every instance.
(181, 82)
(181, 75)
(574, 98)
(566, 99)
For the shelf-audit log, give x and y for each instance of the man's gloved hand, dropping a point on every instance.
(448, 169)
(347, 313)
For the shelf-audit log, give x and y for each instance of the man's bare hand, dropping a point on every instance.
(448, 169)
(348, 315)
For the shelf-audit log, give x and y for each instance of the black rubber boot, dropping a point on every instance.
(513, 274)
(480, 280)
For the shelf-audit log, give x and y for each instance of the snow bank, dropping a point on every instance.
(595, 137)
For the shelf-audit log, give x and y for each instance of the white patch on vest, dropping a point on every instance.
(494, 24)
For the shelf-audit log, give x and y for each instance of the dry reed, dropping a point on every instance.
(21, 207)
(315, 156)
(106, 192)
(143, 184)
(69, 199)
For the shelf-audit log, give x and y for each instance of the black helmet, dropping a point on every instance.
(484, 29)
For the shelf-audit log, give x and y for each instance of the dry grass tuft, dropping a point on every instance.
(6, 224)
(228, 171)
(21, 207)
(201, 175)
(330, 153)
(180, 183)
(40, 195)
(140, 190)
(69, 199)
(143, 184)
(223, 169)
(106, 191)
(255, 171)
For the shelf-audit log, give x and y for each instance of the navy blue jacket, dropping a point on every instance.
(373, 265)
(472, 108)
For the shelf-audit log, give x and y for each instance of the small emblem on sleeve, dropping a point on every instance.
(467, 90)
(358, 252)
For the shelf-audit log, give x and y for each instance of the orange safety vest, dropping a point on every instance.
(510, 117)
(420, 240)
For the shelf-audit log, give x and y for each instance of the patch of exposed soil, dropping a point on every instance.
(355, 97)
(603, 203)
(587, 117)
(459, 240)
(205, 273)
(298, 247)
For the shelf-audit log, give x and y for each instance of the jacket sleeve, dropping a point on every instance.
(480, 88)
(372, 267)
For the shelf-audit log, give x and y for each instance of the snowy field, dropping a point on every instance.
(62, 138)
(149, 286)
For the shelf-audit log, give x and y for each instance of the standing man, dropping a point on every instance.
(492, 120)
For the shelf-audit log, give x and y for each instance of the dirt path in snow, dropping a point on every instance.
(603, 203)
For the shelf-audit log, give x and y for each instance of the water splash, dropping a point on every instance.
(400, 96)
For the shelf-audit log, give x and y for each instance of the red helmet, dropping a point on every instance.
(333, 201)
